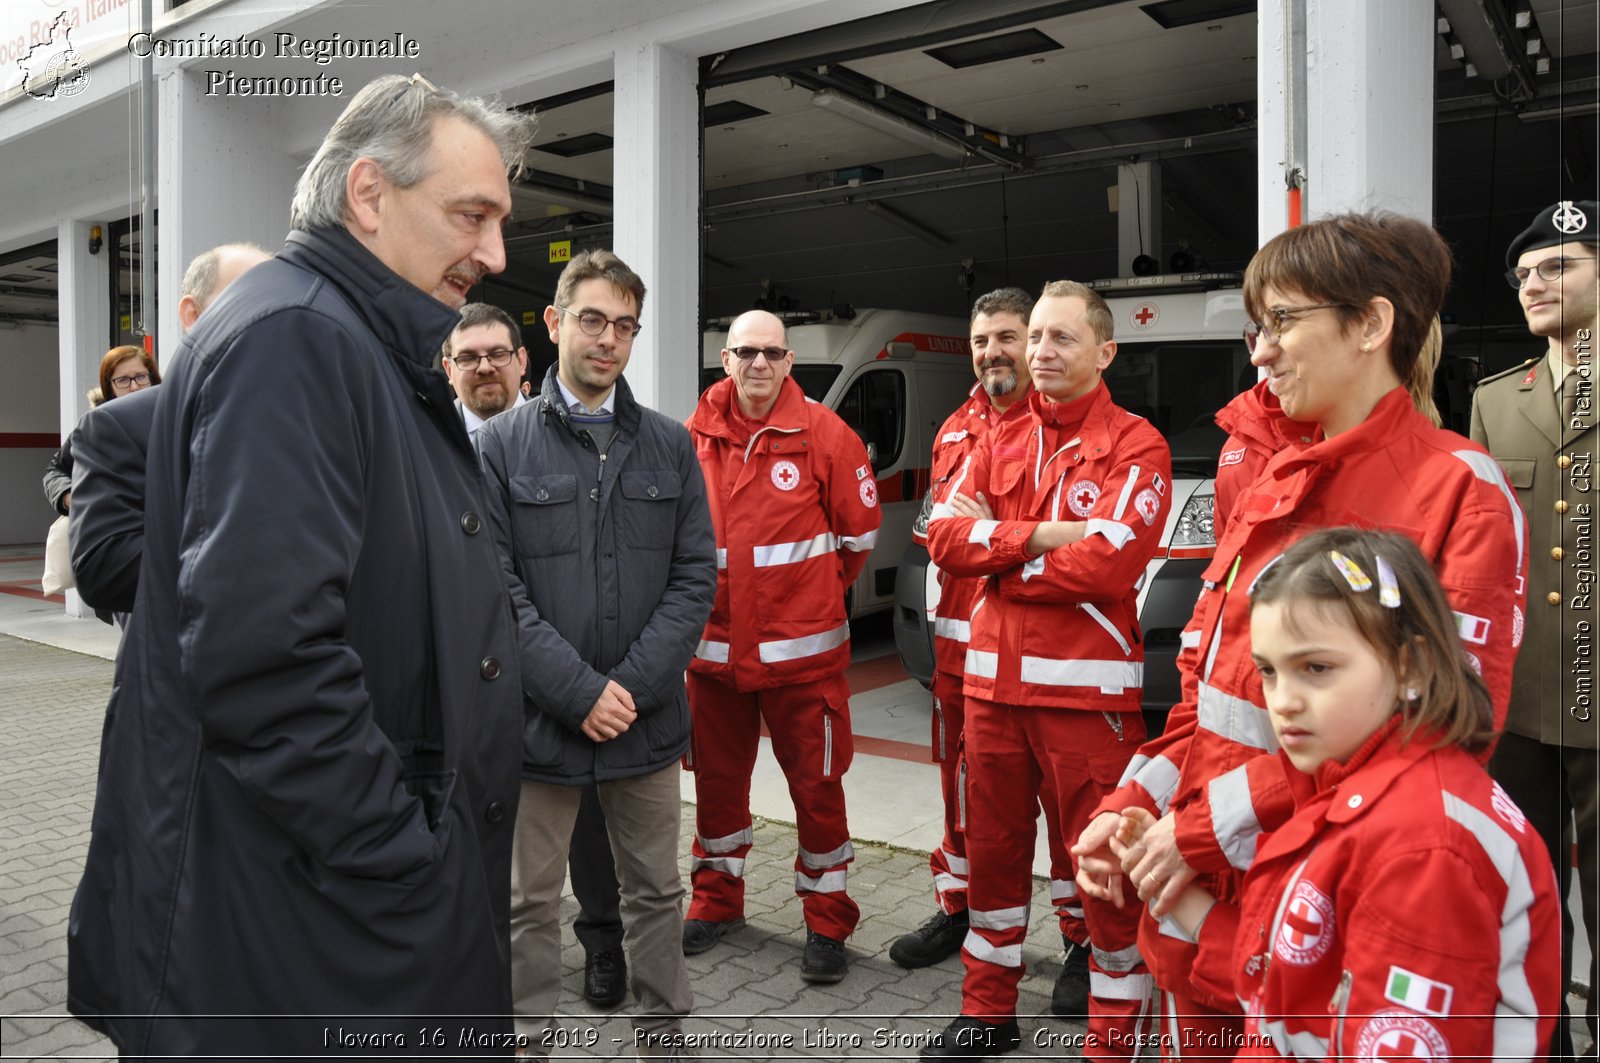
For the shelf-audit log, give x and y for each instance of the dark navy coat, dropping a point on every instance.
(106, 525)
(310, 769)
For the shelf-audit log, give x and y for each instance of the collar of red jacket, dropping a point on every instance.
(716, 414)
(1072, 414)
(1338, 793)
(1394, 416)
(1256, 415)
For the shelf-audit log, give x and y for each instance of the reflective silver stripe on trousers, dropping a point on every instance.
(1128, 987)
(1516, 1026)
(944, 883)
(728, 843)
(860, 543)
(712, 651)
(722, 557)
(954, 630)
(1110, 676)
(1302, 1045)
(1062, 889)
(1115, 532)
(1235, 719)
(1233, 817)
(981, 664)
(999, 918)
(823, 861)
(957, 864)
(979, 947)
(805, 646)
(1157, 775)
(794, 553)
(1117, 961)
(728, 865)
(981, 531)
(827, 882)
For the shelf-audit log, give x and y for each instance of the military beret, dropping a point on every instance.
(1566, 222)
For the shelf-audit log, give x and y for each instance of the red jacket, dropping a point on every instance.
(958, 438)
(1060, 630)
(1396, 471)
(1408, 904)
(795, 507)
(1257, 429)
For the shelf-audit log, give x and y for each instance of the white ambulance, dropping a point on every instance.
(892, 376)
(1180, 358)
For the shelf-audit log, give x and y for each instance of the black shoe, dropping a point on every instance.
(824, 959)
(1070, 997)
(937, 939)
(701, 934)
(605, 978)
(969, 1038)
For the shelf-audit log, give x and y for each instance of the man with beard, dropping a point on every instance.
(999, 336)
(302, 834)
(485, 359)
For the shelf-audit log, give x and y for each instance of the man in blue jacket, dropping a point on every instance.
(302, 834)
(600, 513)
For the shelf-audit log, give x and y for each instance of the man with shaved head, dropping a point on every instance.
(795, 506)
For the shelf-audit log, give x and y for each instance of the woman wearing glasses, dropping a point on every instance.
(1342, 310)
(123, 370)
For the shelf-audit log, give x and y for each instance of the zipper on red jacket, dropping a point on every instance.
(1338, 1007)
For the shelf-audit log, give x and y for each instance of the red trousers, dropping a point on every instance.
(1190, 1030)
(810, 729)
(948, 863)
(1011, 750)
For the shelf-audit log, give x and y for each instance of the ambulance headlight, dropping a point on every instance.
(919, 527)
(1197, 523)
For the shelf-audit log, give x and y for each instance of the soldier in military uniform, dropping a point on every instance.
(1539, 421)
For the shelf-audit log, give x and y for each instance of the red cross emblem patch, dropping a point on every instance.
(1082, 496)
(1144, 315)
(1401, 1035)
(1307, 928)
(785, 475)
(869, 492)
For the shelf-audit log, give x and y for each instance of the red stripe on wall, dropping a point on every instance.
(30, 440)
(30, 589)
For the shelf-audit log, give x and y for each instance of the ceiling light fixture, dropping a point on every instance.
(892, 124)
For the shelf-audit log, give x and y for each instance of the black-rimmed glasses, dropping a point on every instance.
(498, 357)
(593, 323)
(1256, 332)
(137, 380)
(1549, 270)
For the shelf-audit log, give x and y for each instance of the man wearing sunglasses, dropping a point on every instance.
(1538, 419)
(795, 506)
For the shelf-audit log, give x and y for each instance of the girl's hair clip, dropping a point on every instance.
(1388, 586)
(1359, 581)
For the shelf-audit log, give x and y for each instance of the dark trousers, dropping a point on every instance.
(594, 878)
(1558, 789)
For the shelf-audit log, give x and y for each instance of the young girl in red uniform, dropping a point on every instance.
(1406, 910)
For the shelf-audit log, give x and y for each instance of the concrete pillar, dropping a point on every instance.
(657, 219)
(1138, 214)
(224, 178)
(1366, 107)
(84, 291)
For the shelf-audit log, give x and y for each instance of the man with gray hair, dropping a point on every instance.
(309, 785)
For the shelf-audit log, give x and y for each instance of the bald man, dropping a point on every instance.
(795, 505)
(106, 525)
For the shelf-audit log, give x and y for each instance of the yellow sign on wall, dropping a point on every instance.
(530, 317)
(560, 251)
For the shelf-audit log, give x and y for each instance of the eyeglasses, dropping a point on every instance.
(744, 354)
(1255, 332)
(137, 380)
(498, 357)
(594, 323)
(1549, 270)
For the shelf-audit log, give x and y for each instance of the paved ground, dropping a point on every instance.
(51, 710)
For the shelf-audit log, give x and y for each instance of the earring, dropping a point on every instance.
(1413, 694)
(1366, 348)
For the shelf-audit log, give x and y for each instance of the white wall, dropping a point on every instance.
(27, 406)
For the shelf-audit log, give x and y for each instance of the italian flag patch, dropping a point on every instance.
(1413, 991)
